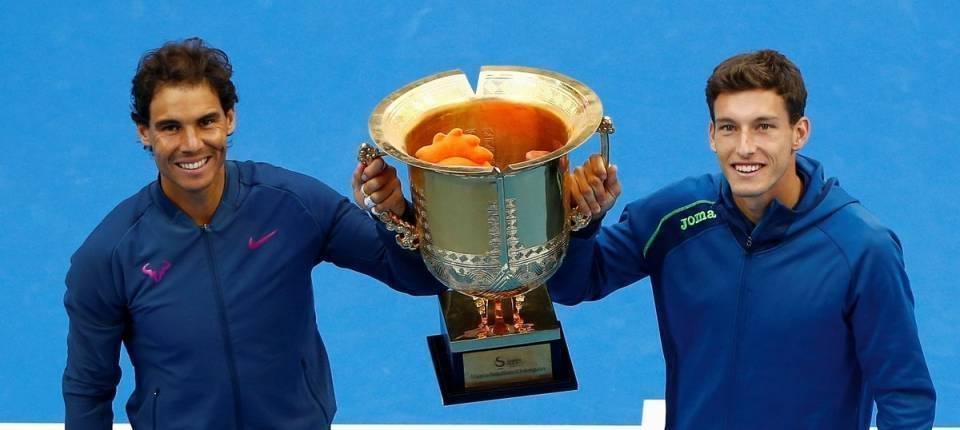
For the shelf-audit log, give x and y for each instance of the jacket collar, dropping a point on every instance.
(777, 219)
(229, 201)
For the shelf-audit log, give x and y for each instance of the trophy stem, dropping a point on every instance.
(470, 368)
(483, 330)
(499, 326)
(518, 323)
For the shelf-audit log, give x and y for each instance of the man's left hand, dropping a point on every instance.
(376, 188)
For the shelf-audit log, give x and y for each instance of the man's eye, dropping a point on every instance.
(726, 127)
(207, 121)
(765, 126)
(170, 128)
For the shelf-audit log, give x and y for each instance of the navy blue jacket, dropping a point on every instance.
(218, 320)
(799, 322)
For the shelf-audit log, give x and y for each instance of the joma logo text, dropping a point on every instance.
(696, 218)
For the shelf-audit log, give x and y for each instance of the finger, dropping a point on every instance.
(598, 166)
(587, 190)
(375, 183)
(355, 178)
(575, 195)
(373, 169)
(612, 187)
(599, 193)
(394, 203)
(355, 184)
(389, 197)
(613, 182)
(381, 187)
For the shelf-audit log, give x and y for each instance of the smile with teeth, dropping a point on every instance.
(747, 168)
(193, 165)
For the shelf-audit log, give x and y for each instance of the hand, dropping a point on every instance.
(594, 187)
(376, 188)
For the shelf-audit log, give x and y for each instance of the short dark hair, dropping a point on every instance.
(766, 69)
(190, 61)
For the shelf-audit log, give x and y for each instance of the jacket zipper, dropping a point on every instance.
(156, 394)
(224, 330)
(737, 328)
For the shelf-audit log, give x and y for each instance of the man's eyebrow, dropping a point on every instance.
(166, 122)
(211, 115)
(757, 119)
(766, 118)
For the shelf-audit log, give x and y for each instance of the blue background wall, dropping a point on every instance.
(883, 102)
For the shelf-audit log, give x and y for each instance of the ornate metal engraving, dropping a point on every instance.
(484, 275)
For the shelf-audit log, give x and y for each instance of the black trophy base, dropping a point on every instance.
(449, 372)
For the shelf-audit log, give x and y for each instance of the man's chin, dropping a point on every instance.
(189, 185)
(746, 193)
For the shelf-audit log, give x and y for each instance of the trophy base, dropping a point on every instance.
(553, 374)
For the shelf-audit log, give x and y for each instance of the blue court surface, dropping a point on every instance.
(883, 92)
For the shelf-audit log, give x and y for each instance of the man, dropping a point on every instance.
(782, 302)
(204, 275)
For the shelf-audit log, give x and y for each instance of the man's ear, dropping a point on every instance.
(231, 121)
(801, 134)
(143, 132)
(711, 129)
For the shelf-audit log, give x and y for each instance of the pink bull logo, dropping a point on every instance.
(156, 274)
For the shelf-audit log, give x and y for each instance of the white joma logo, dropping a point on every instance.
(696, 218)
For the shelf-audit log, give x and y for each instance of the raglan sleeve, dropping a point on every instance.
(354, 240)
(96, 324)
(603, 259)
(887, 343)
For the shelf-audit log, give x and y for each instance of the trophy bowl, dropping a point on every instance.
(491, 232)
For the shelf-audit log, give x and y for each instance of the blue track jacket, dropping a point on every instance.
(218, 320)
(799, 322)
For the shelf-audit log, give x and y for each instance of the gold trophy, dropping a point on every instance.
(493, 235)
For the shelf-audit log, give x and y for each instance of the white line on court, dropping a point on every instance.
(654, 417)
(59, 426)
(48, 426)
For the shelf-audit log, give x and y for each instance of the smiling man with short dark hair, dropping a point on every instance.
(205, 274)
(782, 302)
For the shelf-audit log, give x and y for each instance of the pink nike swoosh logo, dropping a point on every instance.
(156, 274)
(254, 244)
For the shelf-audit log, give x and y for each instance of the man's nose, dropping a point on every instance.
(192, 139)
(746, 146)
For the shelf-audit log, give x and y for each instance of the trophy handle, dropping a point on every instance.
(407, 237)
(605, 129)
(577, 219)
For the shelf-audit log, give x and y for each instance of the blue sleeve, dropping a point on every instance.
(885, 332)
(96, 327)
(599, 263)
(358, 242)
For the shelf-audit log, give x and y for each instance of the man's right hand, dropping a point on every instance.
(376, 188)
(594, 187)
